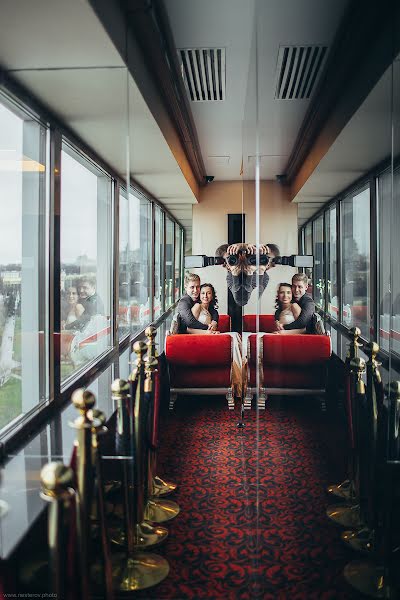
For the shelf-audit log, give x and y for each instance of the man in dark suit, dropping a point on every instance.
(306, 303)
(192, 287)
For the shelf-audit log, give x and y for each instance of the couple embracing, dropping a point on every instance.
(197, 309)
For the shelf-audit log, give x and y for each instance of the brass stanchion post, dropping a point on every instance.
(84, 401)
(144, 534)
(132, 570)
(160, 487)
(57, 489)
(377, 578)
(348, 515)
(99, 419)
(370, 473)
(345, 490)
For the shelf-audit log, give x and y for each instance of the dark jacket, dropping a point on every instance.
(242, 285)
(93, 306)
(186, 316)
(305, 318)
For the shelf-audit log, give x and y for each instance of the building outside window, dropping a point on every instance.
(158, 261)
(331, 263)
(319, 280)
(356, 261)
(23, 263)
(124, 309)
(86, 261)
(140, 261)
(178, 259)
(169, 263)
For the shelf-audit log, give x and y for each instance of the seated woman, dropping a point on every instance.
(200, 310)
(287, 311)
(208, 300)
(71, 309)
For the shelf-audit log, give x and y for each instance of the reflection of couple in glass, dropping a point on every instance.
(81, 302)
(295, 309)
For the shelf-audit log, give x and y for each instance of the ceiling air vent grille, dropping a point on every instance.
(203, 71)
(297, 71)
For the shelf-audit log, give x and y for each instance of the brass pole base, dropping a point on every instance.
(344, 490)
(368, 579)
(162, 487)
(360, 541)
(159, 511)
(145, 536)
(139, 571)
(345, 515)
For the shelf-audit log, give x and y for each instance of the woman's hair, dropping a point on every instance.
(283, 284)
(214, 301)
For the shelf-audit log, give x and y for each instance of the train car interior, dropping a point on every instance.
(200, 299)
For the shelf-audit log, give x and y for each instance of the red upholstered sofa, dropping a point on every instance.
(266, 323)
(224, 323)
(288, 365)
(200, 364)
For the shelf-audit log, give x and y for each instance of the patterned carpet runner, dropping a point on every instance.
(252, 522)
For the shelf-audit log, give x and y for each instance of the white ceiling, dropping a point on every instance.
(230, 24)
(60, 52)
(363, 143)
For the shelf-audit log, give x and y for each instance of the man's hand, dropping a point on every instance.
(213, 326)
(236, 248)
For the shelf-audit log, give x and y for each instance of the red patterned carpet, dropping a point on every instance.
(252, 522)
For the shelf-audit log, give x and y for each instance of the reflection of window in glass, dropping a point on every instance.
(395, 276)
(86, 232)
(169, 263)
(140, 258)
(158, 260)
(178, 249)
(23, 266)
(356, 261)
(319, 281)
(331, 272)
(124, 312)
(309, 250)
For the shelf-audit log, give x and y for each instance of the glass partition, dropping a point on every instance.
(124, 278)
(140, 263)
(158, 261)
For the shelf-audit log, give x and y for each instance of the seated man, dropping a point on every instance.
(187, 319)
(306, 303)
(242, 278)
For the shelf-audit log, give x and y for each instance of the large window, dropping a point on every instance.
(86, 233)
(140, 261)
(169, 263)
(319, 280)
(178, 258)
(331, 263)
(309, 250)
(158, 261)
(356, 261)
(23, 266)
(124, 309)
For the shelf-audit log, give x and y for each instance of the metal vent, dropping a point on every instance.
(297, 70)
(203, 71)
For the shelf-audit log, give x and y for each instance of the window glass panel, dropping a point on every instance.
(140, 240)
(385, 211)
(86, 234)
(177, 262)
(309, 250)
(23, 266)
(331, 272)
(356, 261)
(169, 263)
(319, 281)
(395, 329)
(124, 312)
(158, 259)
